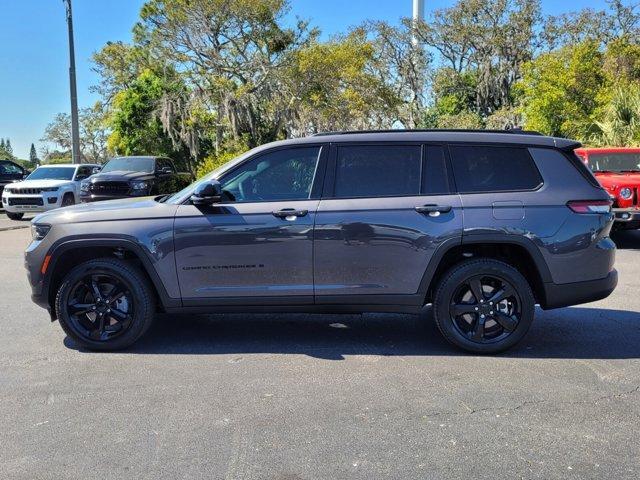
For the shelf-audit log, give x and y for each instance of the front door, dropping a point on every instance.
(259, 241)
(386, 211)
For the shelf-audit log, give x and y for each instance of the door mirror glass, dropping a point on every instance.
(207, 193)
(96, 170)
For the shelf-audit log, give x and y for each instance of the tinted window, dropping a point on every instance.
(280, 175)
(83, 172)
(8, 168)
(493, 169)
(436, 176)
(614, 162)
(374, 171)
(130, 164)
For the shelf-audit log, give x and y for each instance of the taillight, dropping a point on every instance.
(590, 206)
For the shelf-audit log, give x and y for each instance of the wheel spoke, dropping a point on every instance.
(94, 289)
(476, 289)
(478, 329)
(80, 308)
(115, 294)
(462, 308)
(505, 291)
(507, 322)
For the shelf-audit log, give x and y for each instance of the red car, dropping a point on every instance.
(618, 171)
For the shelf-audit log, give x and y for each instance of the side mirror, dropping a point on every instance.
(165, 171)
(96, 170)
(207, 193)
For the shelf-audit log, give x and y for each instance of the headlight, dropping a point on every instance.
(626, 193)
(139, 185)
(84, 186)
(50, 189)
(7, 190)
(38, 232)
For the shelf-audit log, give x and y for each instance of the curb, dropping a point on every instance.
(16, 227)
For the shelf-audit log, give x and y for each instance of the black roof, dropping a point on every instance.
(514, 137)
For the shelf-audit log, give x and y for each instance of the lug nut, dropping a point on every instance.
(490, 313)
(477, 309)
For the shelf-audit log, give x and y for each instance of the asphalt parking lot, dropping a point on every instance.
(321, 397)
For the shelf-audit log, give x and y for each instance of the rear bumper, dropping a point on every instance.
(566, 294)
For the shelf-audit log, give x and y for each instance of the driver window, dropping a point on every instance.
(280, 175)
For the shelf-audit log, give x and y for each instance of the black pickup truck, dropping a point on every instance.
(123, 177)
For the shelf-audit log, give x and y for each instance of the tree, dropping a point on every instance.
(620, 125)
(33, 155)
(494, 38)
(235, 51)
(560, 90)
(93, 133)
(6, 151)
(135, 129)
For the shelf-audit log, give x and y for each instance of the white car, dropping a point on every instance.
(46, 188)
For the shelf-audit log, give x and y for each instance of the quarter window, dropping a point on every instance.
(378, 170)
(493, 169)
(279, 175)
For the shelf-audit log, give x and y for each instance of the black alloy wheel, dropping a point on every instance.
(105, 304)
(100, 307)
(485, 308)
(483, 305)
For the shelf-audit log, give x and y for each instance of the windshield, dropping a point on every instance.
(52, 173)
(129, 164)
(614, 162)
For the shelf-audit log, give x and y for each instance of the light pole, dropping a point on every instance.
(75, 130)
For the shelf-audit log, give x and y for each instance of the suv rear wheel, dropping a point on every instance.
(484, 306)
(105, 304)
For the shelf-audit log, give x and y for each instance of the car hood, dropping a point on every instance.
(119, 176)
(124, 209)
(627, 179)
(41, 183)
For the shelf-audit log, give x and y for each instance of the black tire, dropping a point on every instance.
(15, 216)
(137, 292)
(503, 323)
(68, 200)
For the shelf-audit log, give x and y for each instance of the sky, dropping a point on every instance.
(34, 77)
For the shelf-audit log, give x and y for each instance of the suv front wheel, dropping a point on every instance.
(105, 304)
(484, 306)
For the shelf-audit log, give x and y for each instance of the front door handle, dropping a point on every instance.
(290, 213)
(434, 210)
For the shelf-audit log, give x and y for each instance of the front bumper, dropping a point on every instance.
(566, 294)
(31, 203)
(626, 215)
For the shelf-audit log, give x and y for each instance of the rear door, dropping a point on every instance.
(385, 209)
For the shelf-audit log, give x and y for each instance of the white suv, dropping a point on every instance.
(46, 188)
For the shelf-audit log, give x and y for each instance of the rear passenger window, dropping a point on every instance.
(494, 169)
(374, 171)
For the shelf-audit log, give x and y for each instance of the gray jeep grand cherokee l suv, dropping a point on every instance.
(483, 225)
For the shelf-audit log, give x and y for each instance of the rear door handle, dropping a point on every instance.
(290, 212)
(434, 210)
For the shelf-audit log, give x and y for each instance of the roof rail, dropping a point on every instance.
(517, 131)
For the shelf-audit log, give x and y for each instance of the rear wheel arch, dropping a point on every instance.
(521, 253)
